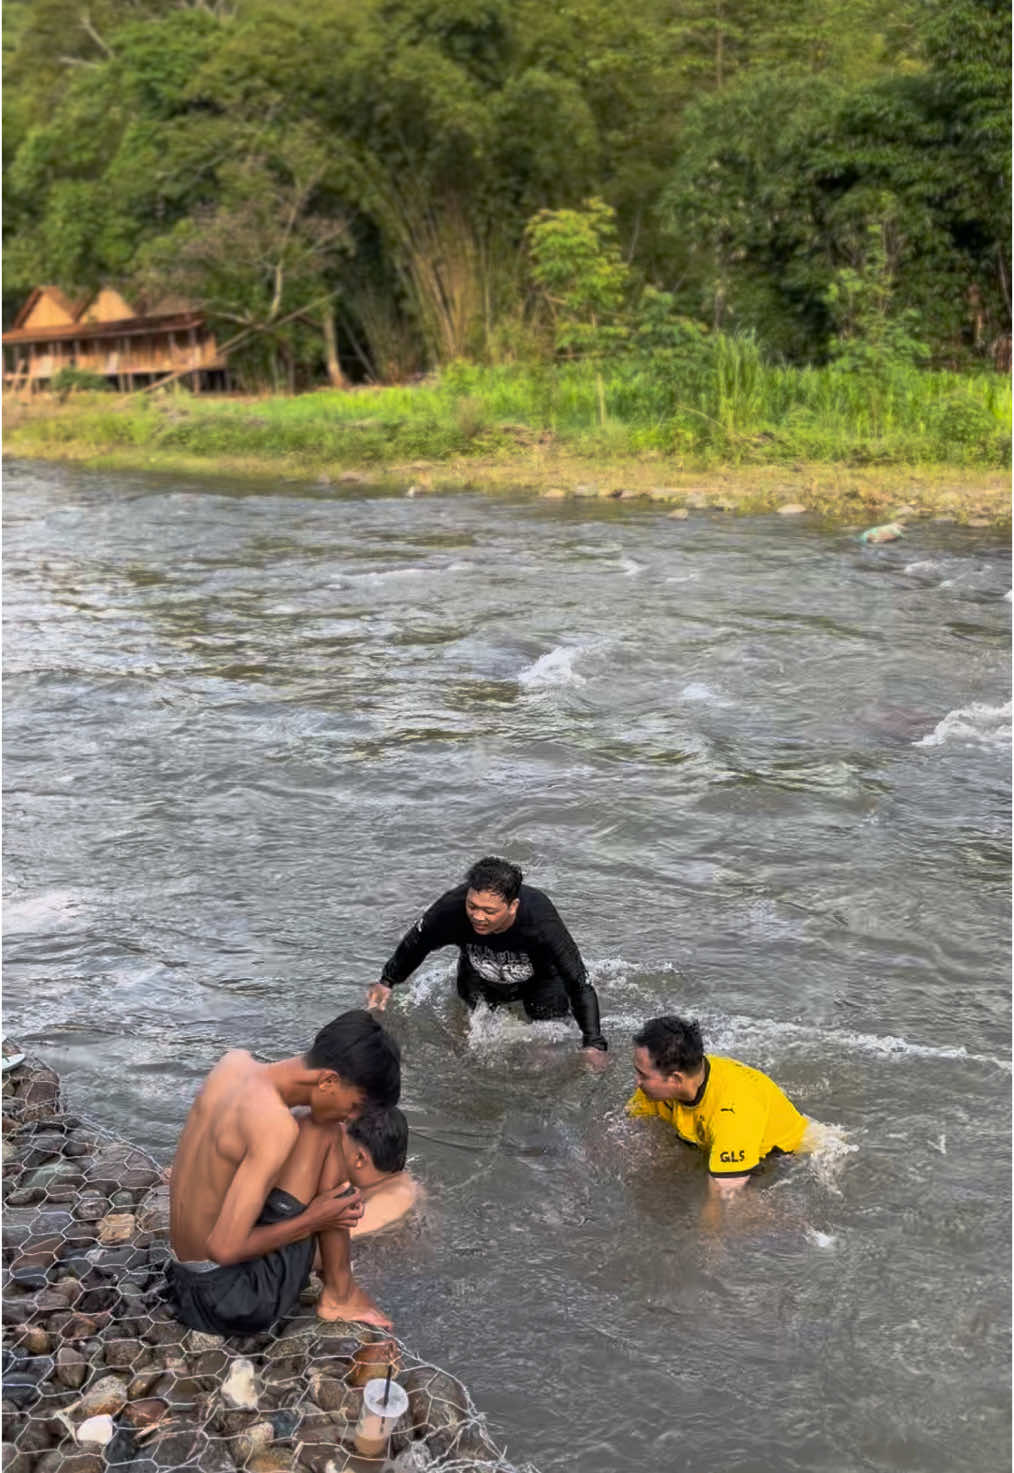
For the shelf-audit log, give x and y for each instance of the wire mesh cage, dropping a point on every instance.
(98, 1374)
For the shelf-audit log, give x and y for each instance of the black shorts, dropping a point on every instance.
(541, 999)
(243, 1298)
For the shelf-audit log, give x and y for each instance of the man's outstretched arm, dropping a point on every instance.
(430, 932)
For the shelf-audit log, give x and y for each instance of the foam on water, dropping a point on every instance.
(924, 567)
(630, 567)
(429, 980)
(975, 725)
(556, 667)
(385, 575)
(826, 1148)
(698, 691)
(33, 912)
(492, 1033)
(822, 1240)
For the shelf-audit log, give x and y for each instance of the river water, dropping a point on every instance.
(763, 771)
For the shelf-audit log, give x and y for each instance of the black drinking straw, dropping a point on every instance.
(387, 1383)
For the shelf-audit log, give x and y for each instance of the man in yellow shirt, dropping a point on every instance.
(734, 1113)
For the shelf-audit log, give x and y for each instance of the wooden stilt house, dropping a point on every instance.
(104, 335)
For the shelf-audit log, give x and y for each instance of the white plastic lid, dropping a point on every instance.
(397, 1398)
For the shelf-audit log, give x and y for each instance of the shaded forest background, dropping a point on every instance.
(376, 188)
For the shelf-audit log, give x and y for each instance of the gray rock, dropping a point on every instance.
(230, 1422)
(254, 1439)
(284, 1421)
(153, 1212)
(36, 1436)
(123, 1353)
(332, 1395)
(71, 1367)
(62, 1193)
(15, 1461)
(30, 1279)
(43, 1146)
(24, 1196)
(175, 1447)
(211, 1363)
(21, 1389)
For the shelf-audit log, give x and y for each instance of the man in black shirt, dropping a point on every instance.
(513, 947)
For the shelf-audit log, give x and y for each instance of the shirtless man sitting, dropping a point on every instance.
(255, 1190)
(376, 1145)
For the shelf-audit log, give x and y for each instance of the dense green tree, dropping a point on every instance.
(789, 187)
(816, 173)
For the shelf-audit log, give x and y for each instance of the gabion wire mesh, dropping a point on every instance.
(97, 1374)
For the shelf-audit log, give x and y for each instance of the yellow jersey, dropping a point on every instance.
(738, 1117)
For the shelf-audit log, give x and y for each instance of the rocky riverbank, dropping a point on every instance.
(96, 1372)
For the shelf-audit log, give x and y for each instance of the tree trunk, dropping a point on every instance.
(334, 369)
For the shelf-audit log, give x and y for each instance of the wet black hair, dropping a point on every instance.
(675, 1045)
(497, 875)
(355, 1046)
(384, 1133)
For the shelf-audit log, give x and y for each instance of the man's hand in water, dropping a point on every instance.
(339, 1207)
(377, 995)
(596, 1060)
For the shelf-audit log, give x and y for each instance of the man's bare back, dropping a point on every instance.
(235, 1096)
(253, 1188)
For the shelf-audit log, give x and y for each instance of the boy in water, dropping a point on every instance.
(376, 1145)
(734, 1113)
(255, 1191)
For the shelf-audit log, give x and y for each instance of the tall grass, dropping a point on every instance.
(724, 404)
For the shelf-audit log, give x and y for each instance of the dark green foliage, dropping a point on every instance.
(362, 176)
(80, 380)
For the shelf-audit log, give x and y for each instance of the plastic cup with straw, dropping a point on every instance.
(384, 1401)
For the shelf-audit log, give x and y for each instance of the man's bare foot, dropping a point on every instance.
(357, 1306)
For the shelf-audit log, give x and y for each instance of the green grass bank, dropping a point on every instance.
(742, 436)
